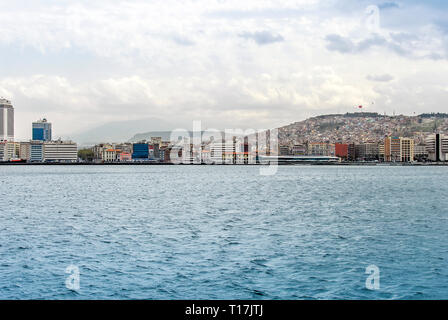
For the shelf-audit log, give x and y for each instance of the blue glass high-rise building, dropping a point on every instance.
(42, 130)
(140, 151)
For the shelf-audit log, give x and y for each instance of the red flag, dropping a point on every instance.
(360, 107)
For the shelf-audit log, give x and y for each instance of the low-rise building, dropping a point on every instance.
(125, 156)
(111, 155)
(284, 151)
(25, 151)
(299, 149)
(341, 150)
(321, 149)
(222, 152)
(60, 151)
(36, 151)
(7, 150)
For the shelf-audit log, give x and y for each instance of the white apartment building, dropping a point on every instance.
(60, 151)
(111, 155)
(7, 151)
(222, 152)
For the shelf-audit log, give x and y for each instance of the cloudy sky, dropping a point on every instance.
(229, 63)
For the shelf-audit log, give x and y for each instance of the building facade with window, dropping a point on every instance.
(42, 130)
(6, 120)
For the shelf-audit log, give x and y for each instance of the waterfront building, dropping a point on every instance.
(317, 149)
(398, 149)
(98, 150)
(392, 149)
(205, 156)
(341, 150)
(124, 147)
(165, 144)
(222, 152)
(25, 151)
(150, 151)
(6, 120)
(444, 147)
(420, 153)
(368, 151)
(352, 152)
(42, 130)
(299, 149)
(154, 151)
(407, 150)
(3, 151)
(187, 151)
(156, 140)
(381, 151)
(244, 158)
(360, 152)
(167, 153)
(36, 151)
(60, 151)
(162, 154)
(321, 149)
(7, 150)
(111, 155)
(125, 156)
(284, 151)
(372, 151)
(243, 154)
(16, 150)
(437, 147)
(140, 151)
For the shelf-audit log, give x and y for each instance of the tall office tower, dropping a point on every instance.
(437, 147)
(42, 130)
(6, 120)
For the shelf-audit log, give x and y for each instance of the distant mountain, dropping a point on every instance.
(165, 135)
(121, 131)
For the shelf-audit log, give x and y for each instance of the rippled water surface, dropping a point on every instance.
(223, 232)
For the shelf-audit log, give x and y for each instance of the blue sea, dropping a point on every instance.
(223, 232)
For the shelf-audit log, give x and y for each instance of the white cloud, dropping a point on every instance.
(380, 77)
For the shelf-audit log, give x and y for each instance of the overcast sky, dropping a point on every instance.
(229, 63)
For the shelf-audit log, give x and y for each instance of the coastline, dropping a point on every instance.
(317, 163)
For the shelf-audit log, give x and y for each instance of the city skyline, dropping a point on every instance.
(354, 137)
(237, 158)
(267, 64)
